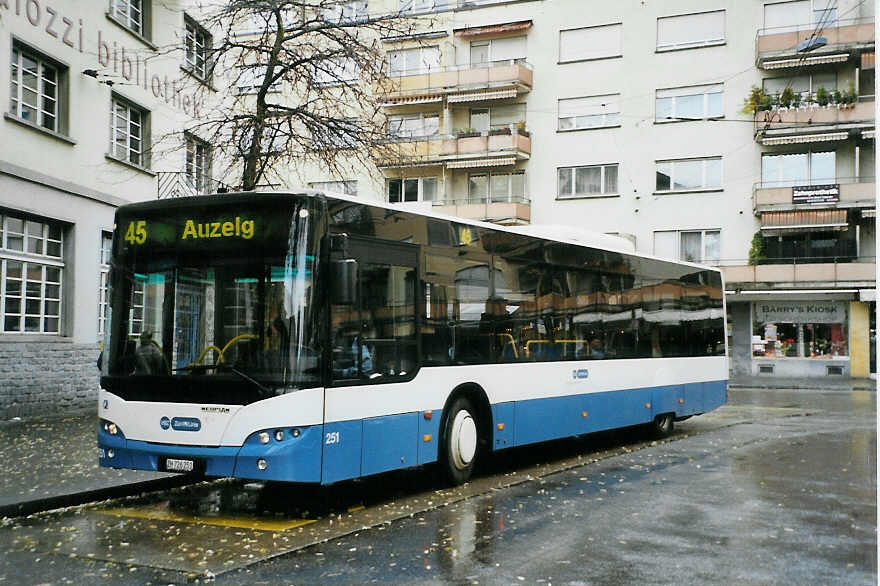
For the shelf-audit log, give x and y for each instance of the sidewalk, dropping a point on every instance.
(53, 462)
(823, 384)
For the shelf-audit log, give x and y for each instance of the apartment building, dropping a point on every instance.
(628, 118)
(96, 96)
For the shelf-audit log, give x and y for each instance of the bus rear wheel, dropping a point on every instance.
(460, 441)
(663, 425)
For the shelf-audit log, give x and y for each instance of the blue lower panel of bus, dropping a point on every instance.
(294, 459)
(348, 449)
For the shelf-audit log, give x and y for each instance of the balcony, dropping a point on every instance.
(852, 192)
(776, 48)
(795, 273)
(496, 148)
(508, 212)
(460, 84)
(814, 123)
(171, 184)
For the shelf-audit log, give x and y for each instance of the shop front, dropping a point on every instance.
(807, 338)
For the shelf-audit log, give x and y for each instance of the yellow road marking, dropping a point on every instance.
(357, 508)
(257, 523)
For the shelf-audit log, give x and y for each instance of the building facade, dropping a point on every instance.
(737, 134)
(96, 95)
(730, 133)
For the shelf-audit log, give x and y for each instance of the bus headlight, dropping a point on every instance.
(262, 464)
(264, 437)
(279, 435)
(110, 428)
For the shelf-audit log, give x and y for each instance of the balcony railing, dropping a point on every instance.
(776, 48)
(505, 210)
(514, 74)
(466, 150)
(777, 195)
(180, 184)
(813, 123)
(781, 273)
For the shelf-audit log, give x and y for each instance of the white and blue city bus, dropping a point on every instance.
(314, 338)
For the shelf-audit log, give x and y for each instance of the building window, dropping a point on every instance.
(805, 85)
(497, 117)
(589, 112)
(689, 174)
(197, 51)
(509, 50)
(131, 14)
(250, 80)
(336, 71)
(344, 187)
(104, 282)
(595, 180)
(783, 17)
(31, 267)
(690, 31)
(198, 164)
(34, 92)
(595, 42)
(422, 5)
(690, 103)
(414, 125)
(797, 329)
(700, 246)
(128, 135)
(413, 61)
(412, 189)
(345, 12)
(798, 169)
(497, 187)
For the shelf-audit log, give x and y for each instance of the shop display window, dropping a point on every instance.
(825, 341)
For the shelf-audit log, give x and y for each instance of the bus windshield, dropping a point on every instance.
(204, 317)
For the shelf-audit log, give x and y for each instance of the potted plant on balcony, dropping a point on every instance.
(466, 132)
(837, 98)
(822, 96)
(756, 251)
(786, 97)
(757, 101)
(796, 100)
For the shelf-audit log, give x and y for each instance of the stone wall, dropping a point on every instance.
(42, 378)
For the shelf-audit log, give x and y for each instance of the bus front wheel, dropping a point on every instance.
(460, 441)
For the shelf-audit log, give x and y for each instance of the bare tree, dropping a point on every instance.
(299, 82)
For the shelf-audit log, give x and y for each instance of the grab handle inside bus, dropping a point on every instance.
(343, 281)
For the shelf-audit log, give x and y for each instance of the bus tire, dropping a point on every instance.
(663, 425)
(460, 441)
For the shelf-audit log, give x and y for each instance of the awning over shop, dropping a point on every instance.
(868, 60)
(803, 138)
(868, 134)
(471, 163)
(493, 29)
(800, 61)
(483, 95)
(803, 221)
(872, 213)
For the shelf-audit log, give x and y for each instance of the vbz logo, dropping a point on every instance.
(580, 373)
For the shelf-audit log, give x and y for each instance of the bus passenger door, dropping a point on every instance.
(371, 423)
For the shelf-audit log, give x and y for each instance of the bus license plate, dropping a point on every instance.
(174, 465)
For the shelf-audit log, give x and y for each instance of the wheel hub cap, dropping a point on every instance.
(463, 443)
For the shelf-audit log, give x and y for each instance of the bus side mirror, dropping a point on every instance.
(343, 281)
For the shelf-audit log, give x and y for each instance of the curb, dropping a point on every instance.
(25, 508)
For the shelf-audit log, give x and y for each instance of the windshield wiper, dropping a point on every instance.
(243, 376)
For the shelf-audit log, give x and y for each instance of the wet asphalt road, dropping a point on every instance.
(778, 487)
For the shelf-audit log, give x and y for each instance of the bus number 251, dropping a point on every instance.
(331, 438)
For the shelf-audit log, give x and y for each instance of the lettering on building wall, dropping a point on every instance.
(130, 65)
